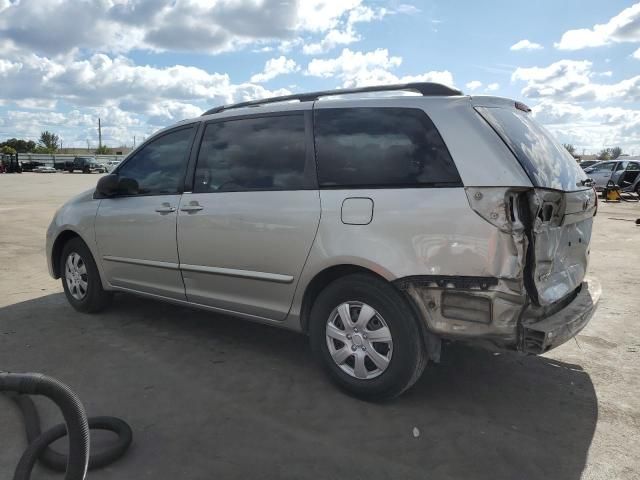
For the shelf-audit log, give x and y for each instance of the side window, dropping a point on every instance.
(261, 153)
(373, 147)
(633, 166)
(604, 167)
(159, 167)
(621, 166)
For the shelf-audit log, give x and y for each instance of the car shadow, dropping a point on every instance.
(213, 396)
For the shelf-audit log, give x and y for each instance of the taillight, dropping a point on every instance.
(497, 205)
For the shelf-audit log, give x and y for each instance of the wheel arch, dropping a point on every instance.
(59, 243)
(324, 278)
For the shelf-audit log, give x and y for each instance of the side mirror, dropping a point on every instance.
(107, 186)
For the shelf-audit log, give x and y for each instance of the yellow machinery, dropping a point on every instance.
(611, 192)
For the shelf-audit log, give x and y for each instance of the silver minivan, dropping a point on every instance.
(377, 224)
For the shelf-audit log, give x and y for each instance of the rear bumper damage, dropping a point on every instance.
(540, 335)
(496, 315)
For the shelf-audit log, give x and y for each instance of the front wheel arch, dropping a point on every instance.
(62, 239)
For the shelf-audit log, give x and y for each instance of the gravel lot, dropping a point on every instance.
(215, 397)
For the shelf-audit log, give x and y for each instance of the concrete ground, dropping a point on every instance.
(215, 397)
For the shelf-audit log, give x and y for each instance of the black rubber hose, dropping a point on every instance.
(58, 461)
(76, 424)
(74, 416)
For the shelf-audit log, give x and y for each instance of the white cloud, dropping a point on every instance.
(636, 54)
(407, 9)
(526, 45)
(131, 99)
(351, 63)
(101, 79)
(571, 80)
(369, 68)
(322, 15)
(590, 128)
(492, 87)
(274, 67)
(331, 40)
(345, 34)
(473, 85)
(117, 26)
(624, 27)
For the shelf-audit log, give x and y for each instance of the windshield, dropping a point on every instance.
(547, 162)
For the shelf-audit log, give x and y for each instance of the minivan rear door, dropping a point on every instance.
(560, 207)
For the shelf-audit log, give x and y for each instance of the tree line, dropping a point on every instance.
(47, 143)
(604, 154)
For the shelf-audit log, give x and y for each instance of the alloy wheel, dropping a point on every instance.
(76, 276)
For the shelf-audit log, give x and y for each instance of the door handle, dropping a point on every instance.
(192, 206)
(166, 208)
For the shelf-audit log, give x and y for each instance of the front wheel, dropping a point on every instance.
(81, 279)
(367, 337)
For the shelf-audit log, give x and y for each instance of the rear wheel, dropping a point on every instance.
(81, 279)
(367, 337)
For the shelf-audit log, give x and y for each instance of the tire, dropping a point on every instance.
(84, 291)
(405, 355)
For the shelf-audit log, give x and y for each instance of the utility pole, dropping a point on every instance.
(99, 134)
(134, 141)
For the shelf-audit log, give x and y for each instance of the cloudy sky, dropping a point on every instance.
(144, 64)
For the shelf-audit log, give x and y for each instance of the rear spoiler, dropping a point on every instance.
(491, 101)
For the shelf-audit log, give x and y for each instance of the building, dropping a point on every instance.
(92, 151)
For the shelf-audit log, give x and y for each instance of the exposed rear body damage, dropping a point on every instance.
(536, 262)
(535, 295)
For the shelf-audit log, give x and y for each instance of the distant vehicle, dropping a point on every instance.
(9, 164)
(85, 165)
(112, 164)
(621, 172)
(30, 165)
(44, 169)
(588, 163)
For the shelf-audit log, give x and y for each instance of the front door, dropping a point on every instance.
(245, 231)
(136, 229)
(601, 173)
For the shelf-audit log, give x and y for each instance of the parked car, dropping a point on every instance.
(45, 169)
(378, 226)
(30, 165)
(621, 172)
(85, 165)
(588, 163)
(112, 164)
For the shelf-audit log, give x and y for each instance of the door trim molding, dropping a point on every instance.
(146, 263)
(232, 272)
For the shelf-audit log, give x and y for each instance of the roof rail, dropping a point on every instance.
(424, 88)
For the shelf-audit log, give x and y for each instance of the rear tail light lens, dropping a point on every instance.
(497, 205)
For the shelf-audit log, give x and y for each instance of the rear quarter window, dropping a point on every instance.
(381, 147)
(546, 162)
